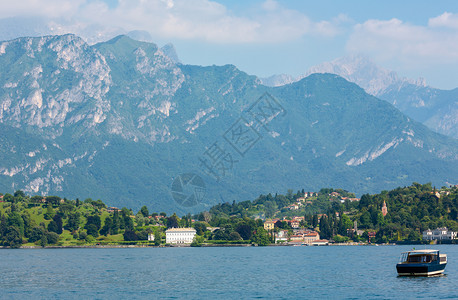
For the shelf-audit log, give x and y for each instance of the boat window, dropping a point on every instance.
(403, 257)
(415, 258)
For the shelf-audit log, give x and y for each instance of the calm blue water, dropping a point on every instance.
(345, 272)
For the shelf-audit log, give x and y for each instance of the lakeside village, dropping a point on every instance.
(418, 213)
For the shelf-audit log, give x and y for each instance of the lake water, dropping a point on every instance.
(340, 272)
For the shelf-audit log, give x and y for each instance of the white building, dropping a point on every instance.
(179, 235)
(439, 234)
(281, 236)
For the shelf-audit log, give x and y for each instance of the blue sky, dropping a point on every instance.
(413, 38)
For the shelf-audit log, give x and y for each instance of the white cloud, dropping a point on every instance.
(445, 20)
(46, 8)
(184, 19)
(211, 21)
(410, 45)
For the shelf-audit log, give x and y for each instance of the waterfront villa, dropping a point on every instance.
(179, 235)
(439, 234)
(311, 236)
(320, 243)
(281, 236)
(304, 237)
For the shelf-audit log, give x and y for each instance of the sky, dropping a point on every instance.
(265, 37)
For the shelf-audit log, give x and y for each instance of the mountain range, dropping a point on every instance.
(122, 120)
(437, 109)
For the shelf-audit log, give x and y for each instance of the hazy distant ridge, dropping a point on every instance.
(437, 109)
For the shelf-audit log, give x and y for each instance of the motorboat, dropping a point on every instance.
(425, 262)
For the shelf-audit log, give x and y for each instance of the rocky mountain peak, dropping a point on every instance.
(355, 68)
(170, 51)
(364, 72)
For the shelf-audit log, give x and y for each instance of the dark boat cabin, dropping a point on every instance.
(421, 258)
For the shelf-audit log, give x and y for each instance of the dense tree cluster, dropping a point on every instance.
(411, 210)
(53, 220)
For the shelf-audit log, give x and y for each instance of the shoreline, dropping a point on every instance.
(189, 246)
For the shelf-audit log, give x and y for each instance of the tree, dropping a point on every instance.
(20, 194)
(29, 223)
(36, 199)
(116, 223)
(282, 224)
(144, 211)
(13, 237)
(93, 225)
(49, 214)
(186, 221)
(128, 223)
(340, 239)
(453, 214)
(270, 208)
(52, 226)
(8, 198)
(200, 228)
(129, 235)
(197, 241)
(73, 222)
(221, 234)
(245, 231)
(82, 235)
(99, 204)
(107, 227)
(43, 240)
(205, 216)
(92, 230)
(36, 234)
(52, 237)
(66, 208)
(315, 221)
(364, 201)
(365, 220)
(15, 220)
(95, 220)
(235, 236)
(140, 219)
(142, 235)
(344, 224)
(414, 236)
(54, 200)
(157, 238)
(261, 237)
(172, 222)
(325, 228)
(56, 224)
